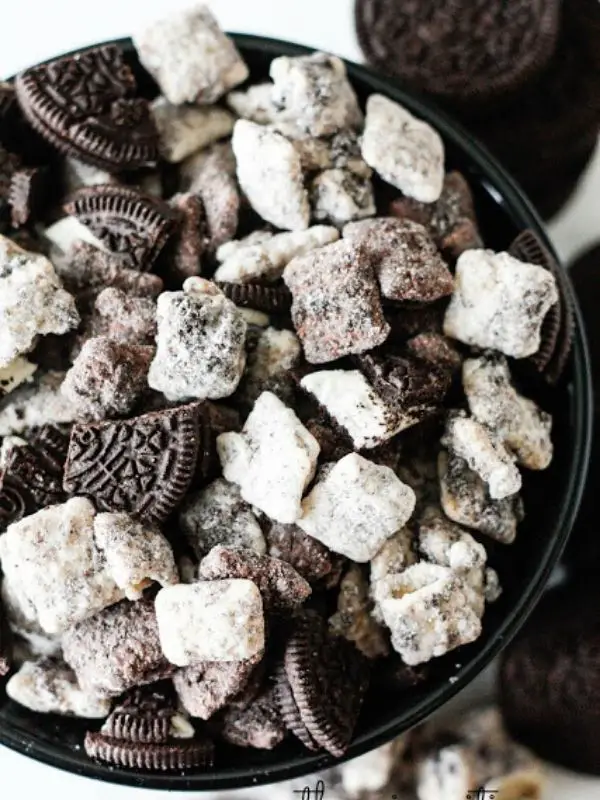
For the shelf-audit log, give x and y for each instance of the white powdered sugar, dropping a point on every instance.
(210, 621)
(403, 150)
(270, 173)
(339, 196)
(189, 56)
(352, 402)
(19, 371)
(356, 506)
(499, 302)
(272, 460)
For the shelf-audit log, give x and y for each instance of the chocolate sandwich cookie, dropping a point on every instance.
(85, 106)
(146, 732)
(550, 679)
(459, 50)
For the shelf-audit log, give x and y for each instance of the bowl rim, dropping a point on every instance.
(522, 212)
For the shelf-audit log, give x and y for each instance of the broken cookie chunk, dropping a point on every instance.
(499, 302)
(272, 460)
(356, 506)
(210, 621)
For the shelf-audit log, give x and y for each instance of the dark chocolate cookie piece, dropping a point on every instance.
(258, 725)
(271, 299)
(550, 678)
(558, 325)
(143, 466)
(129, 224)
(142, 716)
(327, 679)
(311, 559)
(471, 51)
(84, 106)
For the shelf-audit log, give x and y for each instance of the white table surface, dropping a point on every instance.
(31, 30)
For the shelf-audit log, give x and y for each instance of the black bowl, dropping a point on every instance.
(551, 499)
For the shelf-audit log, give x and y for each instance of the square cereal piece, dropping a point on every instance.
(117, 649)
(190, 57)
(272, 460)
(517, 421)
(32, 301)
(183, 130)
(314, 93)
(465, 500)
(340, 196)
(427, 611)
(64, 579)
(210, 621)
(270, 173)
(407, 262)
(499, 302)
(405, 151)
(354, 405)
(336, 308)
(356, 507)
(468, 439)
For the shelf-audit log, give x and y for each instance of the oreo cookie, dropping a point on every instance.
(550, 678)
(321, 685)
(84, 105)
(129, 224)
(558, 325)
(143, 466)
(467, 52)
(145, 732)
(271, 299)
(26, 195)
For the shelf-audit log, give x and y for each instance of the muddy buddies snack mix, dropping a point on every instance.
(255, 436)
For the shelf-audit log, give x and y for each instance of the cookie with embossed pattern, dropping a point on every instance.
(84, 105)
(143, 465)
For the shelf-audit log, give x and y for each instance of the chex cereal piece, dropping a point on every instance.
(183, 130)
(413, 389)
(274, 353)
(210, 621)
(50, 687)
(207, 687)
(467, 438)
(314, 93)
(258, 725)
(354, 405)
(184, 257)
(270, 173)
(336, 308)
(281, 587)
(218, 515)
(107, 378)
(403, 150)
(339, 152)
(356, 507)
(272, 460)
(451, 219)
(17, 372)
(199, 345)
(255, 103)
(320, 686)
(394, 557)
(307, 556)
(117, 649)
(254, 259)
(65, 581)
(211, 175)
(36, 404)
(136, 553)
(407, 263)
(427, 611)
(436, 349)
(353, 619)
(340, 196)
(190, 57)
(32, 301)
(517, 421)
(499, 302)
(118, 316)
(143, 465)
(465, 500)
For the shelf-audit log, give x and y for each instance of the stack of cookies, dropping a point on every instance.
(521, 76)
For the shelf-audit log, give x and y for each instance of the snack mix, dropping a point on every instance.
(262, 432)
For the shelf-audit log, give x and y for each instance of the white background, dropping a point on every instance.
(32, 30)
